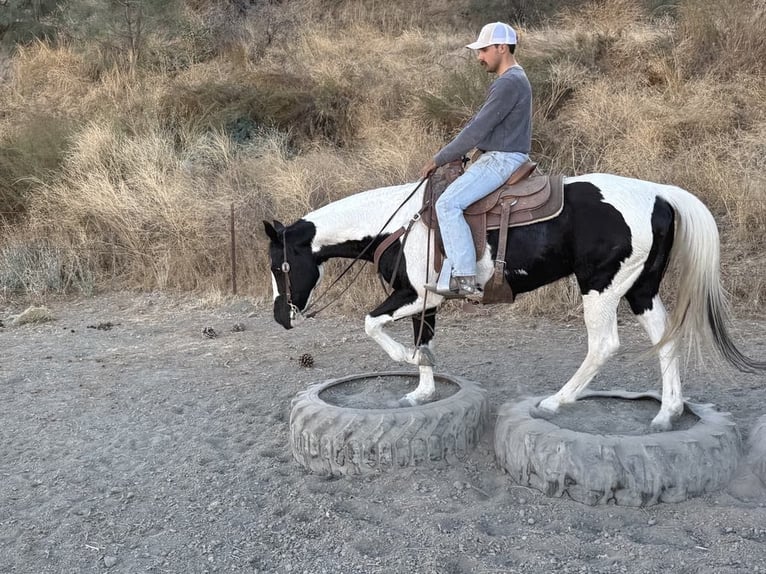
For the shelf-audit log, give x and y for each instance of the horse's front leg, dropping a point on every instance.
(419, 355)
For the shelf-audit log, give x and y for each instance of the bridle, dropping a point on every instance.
(286, 274)
(294, 311)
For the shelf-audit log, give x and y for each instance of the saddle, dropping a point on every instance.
(524, 199)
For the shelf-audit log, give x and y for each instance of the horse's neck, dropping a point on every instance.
(363, 215)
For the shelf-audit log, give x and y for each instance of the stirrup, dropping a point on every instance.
(443, 285)
(462, 287)
(446, 293)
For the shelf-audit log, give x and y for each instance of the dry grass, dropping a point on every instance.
(282, 113)
(127, 201)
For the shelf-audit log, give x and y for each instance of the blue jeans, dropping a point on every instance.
(483, 177)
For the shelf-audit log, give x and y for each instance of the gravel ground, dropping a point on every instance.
(132, 442)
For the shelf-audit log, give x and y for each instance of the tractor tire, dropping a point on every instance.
(336, 440)
(627, 469)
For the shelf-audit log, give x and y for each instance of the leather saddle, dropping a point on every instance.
(524, 199)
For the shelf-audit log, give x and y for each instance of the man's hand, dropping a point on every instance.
(428, 169)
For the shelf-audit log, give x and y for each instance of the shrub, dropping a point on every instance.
(30, 155)
(305, 109)
(722, 37)
(38, 268)
(458, 97)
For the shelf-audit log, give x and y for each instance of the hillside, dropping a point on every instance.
(129, 129)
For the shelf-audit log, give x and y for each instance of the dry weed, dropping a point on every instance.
(280, 115)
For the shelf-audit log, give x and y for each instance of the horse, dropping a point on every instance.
(618, 236)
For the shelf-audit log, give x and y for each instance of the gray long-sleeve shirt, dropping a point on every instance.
(504, 122)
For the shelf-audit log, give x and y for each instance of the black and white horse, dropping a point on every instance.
(616, 235)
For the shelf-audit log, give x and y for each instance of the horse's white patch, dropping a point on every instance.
(364, 214)
(274, 288)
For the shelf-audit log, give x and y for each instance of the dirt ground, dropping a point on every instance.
(130, 442)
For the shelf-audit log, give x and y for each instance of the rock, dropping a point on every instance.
(34, 315)
(110, 561)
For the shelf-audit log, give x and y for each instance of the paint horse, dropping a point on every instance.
(616, 235)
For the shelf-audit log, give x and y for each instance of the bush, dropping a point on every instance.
(724, 38)
(461, 93)
(29, 156)
(38, 268)
(306, 109)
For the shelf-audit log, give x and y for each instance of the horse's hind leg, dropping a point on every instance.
(645, 303)
(654, 322)
(600, 310)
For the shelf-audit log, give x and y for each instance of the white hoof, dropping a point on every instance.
(406, 401)
(551, 404)
(662, 422)
(413, 398)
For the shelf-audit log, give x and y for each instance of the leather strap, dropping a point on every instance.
(505, 216)
(385, 244)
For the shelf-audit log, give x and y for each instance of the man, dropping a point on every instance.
(502, 130)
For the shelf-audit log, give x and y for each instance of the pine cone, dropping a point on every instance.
(209, 332)
(306, 360)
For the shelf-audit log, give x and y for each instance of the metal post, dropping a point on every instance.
(233, 255)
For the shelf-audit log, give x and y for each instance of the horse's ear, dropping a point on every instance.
(271, 230)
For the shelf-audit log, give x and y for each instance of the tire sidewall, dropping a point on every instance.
(336, 440)
(631, 470)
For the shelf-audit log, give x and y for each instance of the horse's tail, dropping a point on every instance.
(701, 312)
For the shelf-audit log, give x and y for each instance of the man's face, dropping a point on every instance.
(489, 57)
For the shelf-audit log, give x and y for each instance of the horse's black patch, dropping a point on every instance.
(641, 295)
(589, 238)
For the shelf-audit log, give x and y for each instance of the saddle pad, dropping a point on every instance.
(543, 204)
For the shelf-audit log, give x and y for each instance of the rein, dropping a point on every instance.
(286, 266)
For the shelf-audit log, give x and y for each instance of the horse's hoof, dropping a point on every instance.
(551, 404)
(407, 401)
(412, 399)
(539, 413)
(661, 423)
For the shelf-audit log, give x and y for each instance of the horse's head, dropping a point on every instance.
(295, 272)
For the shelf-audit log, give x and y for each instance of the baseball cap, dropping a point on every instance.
(495, 33)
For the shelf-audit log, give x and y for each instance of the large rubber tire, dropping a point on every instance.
(629, 470)
(749, 483)
(334, 440)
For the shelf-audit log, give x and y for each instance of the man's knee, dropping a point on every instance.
(447, 204)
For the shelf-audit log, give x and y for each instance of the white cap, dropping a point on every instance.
(495, 33)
